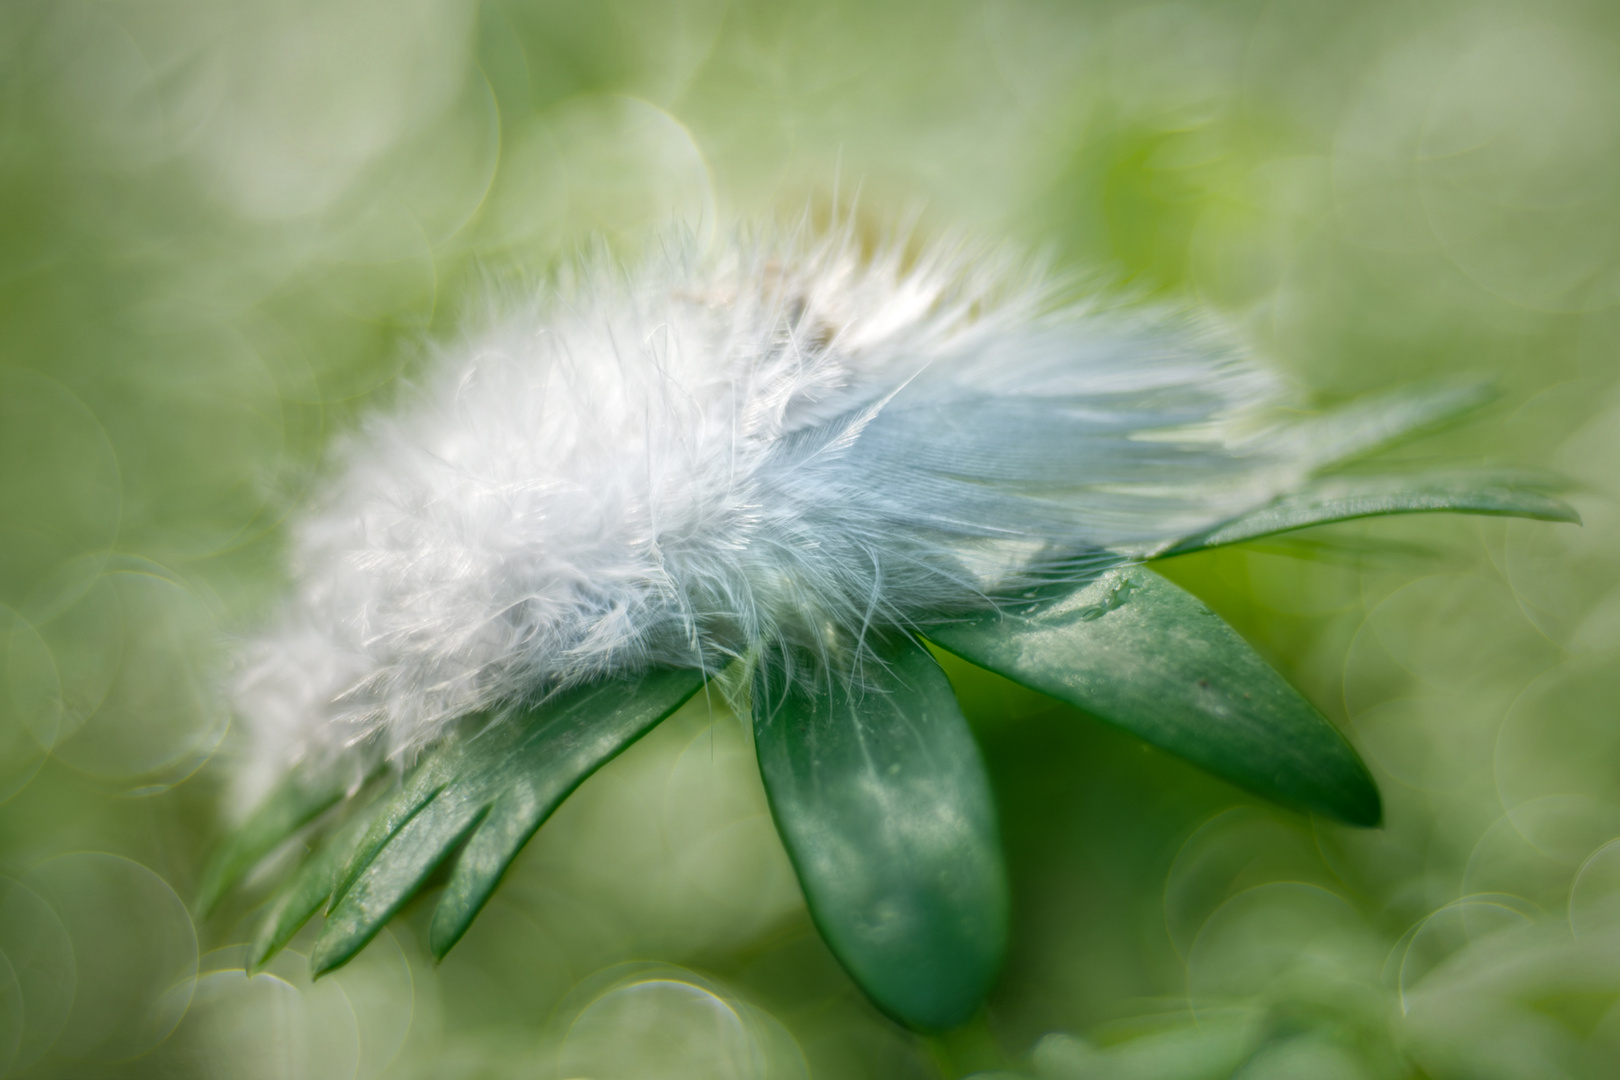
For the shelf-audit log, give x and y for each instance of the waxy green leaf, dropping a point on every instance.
(1377, 421)
(297, 802)
(421, 786)
(305, 892)
(1137, 651)
(392, 878)
(506, 778)
(881, 798)
(570, 739)
(1346, 498)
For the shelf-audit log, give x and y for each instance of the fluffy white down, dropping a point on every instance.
(758, 442)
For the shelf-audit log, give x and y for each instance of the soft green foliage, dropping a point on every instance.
(495, 785)
(306, 891)
(876, 784)
(1135, 650)
(1348, 498)
(227, 227)
(570, 739)
(298, 801)
(883, 804)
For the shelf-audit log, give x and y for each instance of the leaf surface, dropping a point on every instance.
(1344, 499)
(388, 881)
(520, 768)
(1141, 653)
(297, 802)
(305, 892)
(572, 738)
(881, 798)
(1381, 420)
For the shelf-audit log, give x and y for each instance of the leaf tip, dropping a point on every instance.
(329, 955)
(1362, 806)
(338, 942)
(447, 929)
(262, 950)
(1564, 512)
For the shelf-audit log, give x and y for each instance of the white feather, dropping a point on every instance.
(754, 444)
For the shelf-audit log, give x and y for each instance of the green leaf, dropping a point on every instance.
(309, 888)
(297, 802)
(521, 768)
(1380, 420)
(1345, 498)
(383, 887)
(1133, 649)
(422, 785)
(570, 739)
(881, 798)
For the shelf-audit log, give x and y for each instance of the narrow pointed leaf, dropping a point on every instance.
(389, 880)
(521, 767)
(566, 740)
(421, 787)
(1137, 651)
(297, 802)
(1381, 420)
(1343, 499)
(305, 892)
(881, 798)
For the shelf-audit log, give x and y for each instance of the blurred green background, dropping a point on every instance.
(228, 229)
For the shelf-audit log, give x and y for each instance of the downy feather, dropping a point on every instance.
(777, 440)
